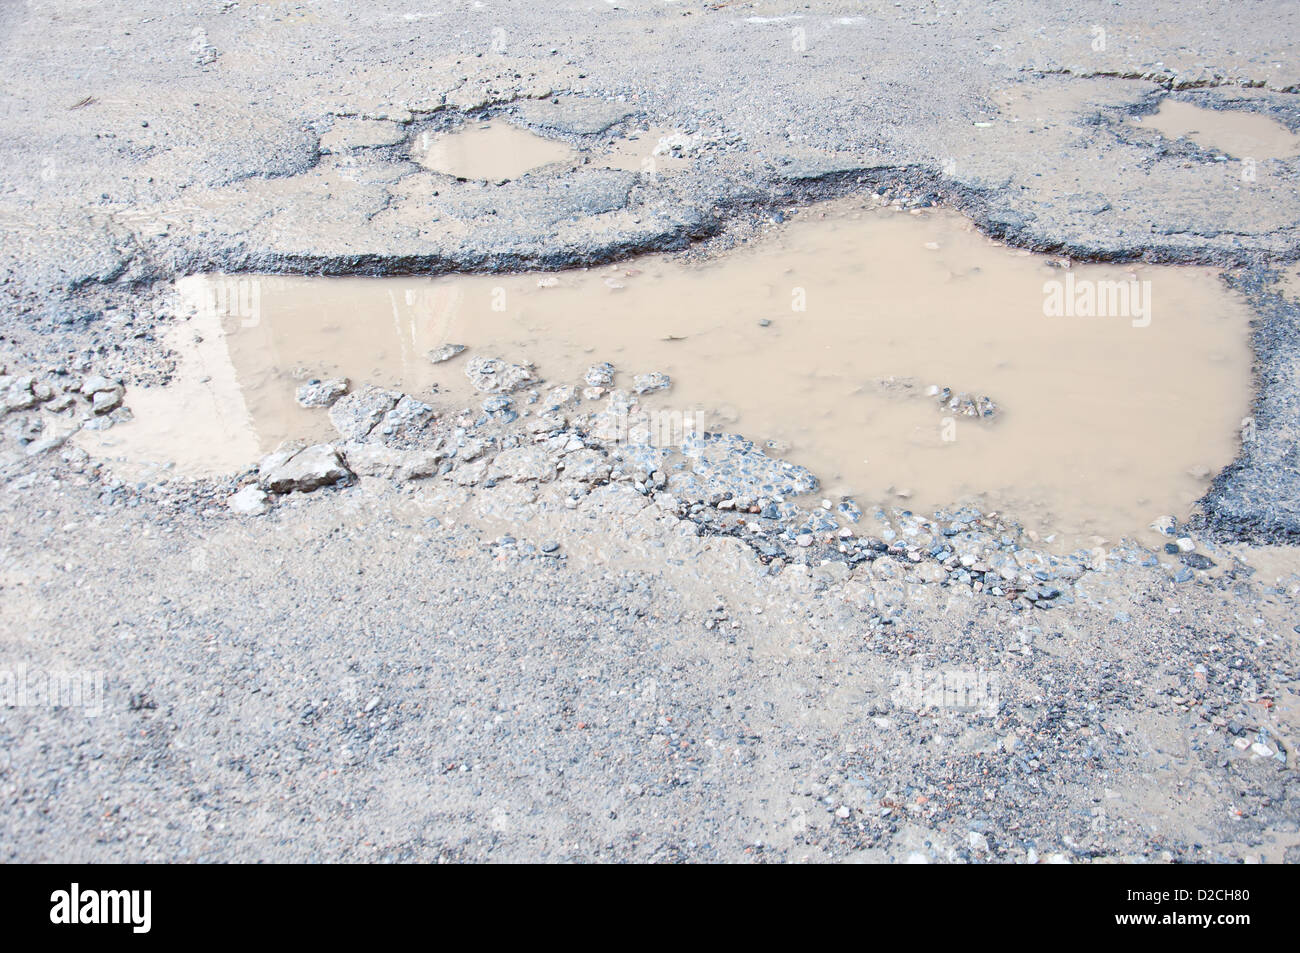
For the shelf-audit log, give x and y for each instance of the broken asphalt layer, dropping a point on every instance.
(354, 675)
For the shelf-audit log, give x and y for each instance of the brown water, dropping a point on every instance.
(1105, 422)
(1234, 132)
(493, 151)
(644, 151)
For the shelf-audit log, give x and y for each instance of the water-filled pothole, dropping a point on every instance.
(1119, 390)
(1234, 132)
(491, 151)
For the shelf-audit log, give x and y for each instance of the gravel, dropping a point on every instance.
(678, 654)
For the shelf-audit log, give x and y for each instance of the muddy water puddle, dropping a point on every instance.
(491, 151)
(1236, 133)
(1113, 392)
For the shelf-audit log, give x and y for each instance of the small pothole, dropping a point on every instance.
(492, 151)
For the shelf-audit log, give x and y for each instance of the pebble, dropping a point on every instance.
(318, 393)
(95, 384)
(651, 383)
(250, 501)
(106, 400)
(1163, 525)
(600, 375)
(445, 353)
(495, 376)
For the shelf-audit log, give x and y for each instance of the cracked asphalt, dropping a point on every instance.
(362, 675)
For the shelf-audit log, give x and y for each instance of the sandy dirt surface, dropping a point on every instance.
(487, 621)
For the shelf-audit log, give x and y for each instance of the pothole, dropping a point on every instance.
(1233, 132)
(491, 151)
(907, 360)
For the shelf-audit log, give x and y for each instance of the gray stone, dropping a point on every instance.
(467, 474)
(54, 433)
(250, 501)
(405, 423)
(355, 415)
(560, 397)
(586, 466)
(304, 471)
(94, 384)
(445, 353)
(17, 393)
(317, 393)
(620, 402)
(964, 404)
(106, 400)
(730, 465)
(650, 383)
(494, 376)
(377, 460)
(600, 375)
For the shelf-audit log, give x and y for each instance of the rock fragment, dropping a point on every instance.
(967, 405)
(494, 376)
(600, 375)
(445, 353)
(250, 501)
(105, 401)
(377, 460)
(650, 383)
(96, 384)
(303, 471)
(318, 393)
(355, 415)
(17, 393)
(586, 466)
(405, 422)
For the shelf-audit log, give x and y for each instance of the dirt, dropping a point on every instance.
(540, 646)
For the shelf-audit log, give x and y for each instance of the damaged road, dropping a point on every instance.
(440, 632)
